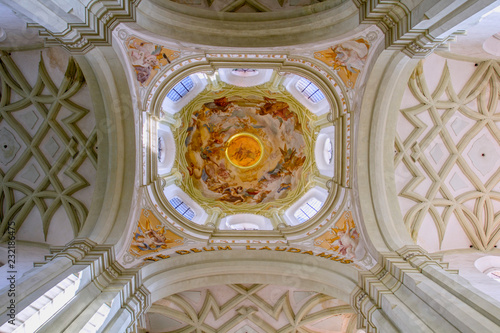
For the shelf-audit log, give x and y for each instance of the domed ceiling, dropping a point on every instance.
(245, 153)
(244, 149)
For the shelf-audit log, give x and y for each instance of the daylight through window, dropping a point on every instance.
(182, 208)
(309, 90)
(308, 210)
(180, 89)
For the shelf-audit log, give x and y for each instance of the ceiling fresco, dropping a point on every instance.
(243, 152)
(152, 236)
(148, 58)
(347, 59)
(342, 237)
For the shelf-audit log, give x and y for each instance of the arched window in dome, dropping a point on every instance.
(182, 208)
(309, 90)
(308, 210)
(180, 89)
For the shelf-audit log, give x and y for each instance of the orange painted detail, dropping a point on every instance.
(342, 237)
(244, 150)
(152, 236)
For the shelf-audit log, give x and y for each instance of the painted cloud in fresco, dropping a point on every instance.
(270, 121)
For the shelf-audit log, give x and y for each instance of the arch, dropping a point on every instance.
(112, 201)
(375, 184)
(282, 28)
(191, 271)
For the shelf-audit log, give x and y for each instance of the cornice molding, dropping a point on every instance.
(410, 275)
(398, 23)
(101, 17)
(108, 275)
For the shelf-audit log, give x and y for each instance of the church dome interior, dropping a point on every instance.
(249, 166)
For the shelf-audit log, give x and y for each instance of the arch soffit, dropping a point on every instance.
(382, 226)
(168, 277)
(299, 26)
(118, 138)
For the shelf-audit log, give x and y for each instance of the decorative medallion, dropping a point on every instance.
(244, 150)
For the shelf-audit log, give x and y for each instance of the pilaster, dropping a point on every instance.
(412, 291)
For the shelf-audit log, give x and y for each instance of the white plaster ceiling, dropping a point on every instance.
(48, 146)
(250, 309)
(481, 39)
(447, 154)
(14, 32)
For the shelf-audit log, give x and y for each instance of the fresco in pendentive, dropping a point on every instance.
(267, 159)
(151, 236)
(147, 58)
(342, 238)
(347, 59)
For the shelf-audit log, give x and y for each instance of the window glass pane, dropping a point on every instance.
(180, 89)
(308, 210)
(309, 90)
(182, 208)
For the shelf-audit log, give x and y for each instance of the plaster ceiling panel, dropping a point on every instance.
(428, 237)
(11, 146)
(31, 228)
(432, 64)
(460, 72)
(459, 124)
(483, 154)
(60, 231)
(254, 308)
(455, 126)
(13, 30)
(454, 236)
(474, 43)
(38, 107)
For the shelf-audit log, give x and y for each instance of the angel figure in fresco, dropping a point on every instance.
(145, 57)
(233, 194)
(276, 109)
(150, 239)
(351, 55)
(347, 242)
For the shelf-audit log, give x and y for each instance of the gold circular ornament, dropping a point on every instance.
(244, 150)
